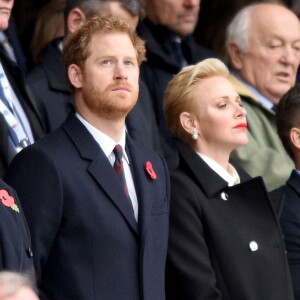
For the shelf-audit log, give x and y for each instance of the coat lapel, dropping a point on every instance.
(294, 182)
(100, 169)
(143, 185)
(212, 184)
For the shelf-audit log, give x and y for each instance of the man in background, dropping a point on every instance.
(288, 126)
(167, 30)
(20, 123)
(263, 46)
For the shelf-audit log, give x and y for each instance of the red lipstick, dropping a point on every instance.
(241, 125)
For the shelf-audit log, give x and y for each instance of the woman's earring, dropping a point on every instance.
(195, 135)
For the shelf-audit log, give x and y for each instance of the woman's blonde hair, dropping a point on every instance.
(179, 93)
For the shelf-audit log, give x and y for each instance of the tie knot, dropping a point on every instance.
(118, 151)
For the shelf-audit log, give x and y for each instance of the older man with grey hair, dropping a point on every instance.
(263, 47)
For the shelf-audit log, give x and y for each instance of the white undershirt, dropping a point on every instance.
(230, 175)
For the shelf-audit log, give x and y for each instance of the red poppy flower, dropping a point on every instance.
(150, 170)
(8, 200)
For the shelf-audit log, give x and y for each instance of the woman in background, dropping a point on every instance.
(49, 25)
(225, 241)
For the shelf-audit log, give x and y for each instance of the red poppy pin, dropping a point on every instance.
(8, 200)
(150, 170)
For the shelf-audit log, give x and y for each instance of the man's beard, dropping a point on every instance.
(101, 103)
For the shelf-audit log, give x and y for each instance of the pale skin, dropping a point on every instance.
(113, 71)
(271, 62)
(5, 12)
(295, 139)
(24, 293)
(180, 16)
(220, 120)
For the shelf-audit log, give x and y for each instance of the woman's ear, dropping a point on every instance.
(188, 122)
(75, 76)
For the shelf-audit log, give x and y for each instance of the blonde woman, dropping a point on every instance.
(225, 242)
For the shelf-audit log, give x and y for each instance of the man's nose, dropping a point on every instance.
(191, 3)
(290, 55)
(120, 71)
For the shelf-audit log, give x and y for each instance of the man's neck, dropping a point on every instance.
(111, 127)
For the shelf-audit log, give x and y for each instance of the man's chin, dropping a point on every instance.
(116, 113)
(3, 22)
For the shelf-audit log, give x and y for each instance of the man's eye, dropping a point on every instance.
(106, 62)
(128, 63)
(274, 46)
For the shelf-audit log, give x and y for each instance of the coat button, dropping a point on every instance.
(253, 246)
(29, 252)
(224, 196)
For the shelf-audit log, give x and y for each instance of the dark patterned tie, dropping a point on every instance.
(119, 169)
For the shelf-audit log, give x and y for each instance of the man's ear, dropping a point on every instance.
(188, 122)
(295, 137)
(75, 19)
(75, 76)
(235, 56)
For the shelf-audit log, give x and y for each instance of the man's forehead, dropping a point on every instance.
(274, 29)
(112, 44)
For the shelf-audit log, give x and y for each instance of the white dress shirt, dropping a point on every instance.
(107, 145)
(230, 175)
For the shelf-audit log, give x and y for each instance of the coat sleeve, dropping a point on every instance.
(41, 199)
(189, 272)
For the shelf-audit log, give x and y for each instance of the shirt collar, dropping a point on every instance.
(106, 143)
(262, 99)
(230, 175)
